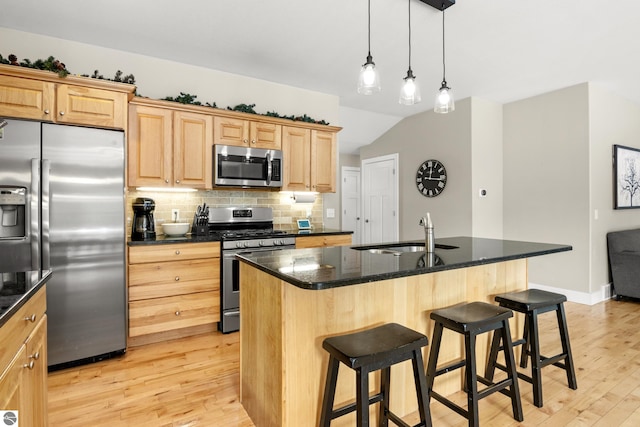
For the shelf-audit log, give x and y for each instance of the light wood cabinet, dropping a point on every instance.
(169, 148)
(320, 241)
(40, 95)
(247, 133)
(23, 362)
(309, 160)
(173, 288)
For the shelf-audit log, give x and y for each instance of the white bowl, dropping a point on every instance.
(175, 228)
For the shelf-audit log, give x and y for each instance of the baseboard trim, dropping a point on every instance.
(579, 297)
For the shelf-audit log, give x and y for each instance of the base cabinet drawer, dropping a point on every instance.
(182, 311)
(164, 279)
(323, 241)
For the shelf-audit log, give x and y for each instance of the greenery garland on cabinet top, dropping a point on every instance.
(56, 66)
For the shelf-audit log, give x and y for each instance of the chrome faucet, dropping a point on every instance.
(429, 239)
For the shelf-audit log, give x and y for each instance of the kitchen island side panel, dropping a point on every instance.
(307, 317)
(261, 347)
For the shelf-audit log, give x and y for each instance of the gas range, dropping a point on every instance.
(242, 229)
(246, 227)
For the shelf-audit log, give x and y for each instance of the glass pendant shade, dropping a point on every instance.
(369, 80)
(444, 102)
(410, 91)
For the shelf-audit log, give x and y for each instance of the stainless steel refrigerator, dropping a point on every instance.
(62, 208)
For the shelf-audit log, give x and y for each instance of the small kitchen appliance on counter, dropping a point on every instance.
(143, 227)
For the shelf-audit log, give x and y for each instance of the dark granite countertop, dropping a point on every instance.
(189, 238)
(17, 288)
(330, 267)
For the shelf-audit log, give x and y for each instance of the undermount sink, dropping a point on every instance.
(397, 250)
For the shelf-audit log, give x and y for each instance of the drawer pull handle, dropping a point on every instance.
(30, 365)
(178, 252)
(31, 318)
(35, 356)
(177, 313)
(177, 279)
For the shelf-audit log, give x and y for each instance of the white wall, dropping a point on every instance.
(486, 169)
(158, 78)
(613, 120)
(432, 136)
(546, 182)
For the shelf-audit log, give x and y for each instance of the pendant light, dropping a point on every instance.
(409, 92)
(369, 80)
(444, 98)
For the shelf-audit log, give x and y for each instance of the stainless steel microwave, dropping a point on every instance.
(246, 167)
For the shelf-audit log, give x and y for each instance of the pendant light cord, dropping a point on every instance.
(444, 80)
(409, 2)
(369, 27)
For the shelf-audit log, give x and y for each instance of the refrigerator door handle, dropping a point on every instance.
(46, 261)
(34, 214)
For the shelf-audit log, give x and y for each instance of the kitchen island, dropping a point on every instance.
(291, 300)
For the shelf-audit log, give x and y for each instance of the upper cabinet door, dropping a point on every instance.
(192, 150)
(26, 98)
(229, 131)
(90, 106)
(150, 148)
(265, 135)
(296, 157)
(323, 161)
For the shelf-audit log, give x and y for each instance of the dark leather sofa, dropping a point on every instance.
(624, 262)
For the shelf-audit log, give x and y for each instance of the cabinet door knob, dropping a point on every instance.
(177, 181)
(30, 365)
(31, 318)
(62, 113)
(253, 141)
(177, 313)
(35, 356)
(166, 181)
(245, 141)
(46, 111)
(178, 252)
(177, 278)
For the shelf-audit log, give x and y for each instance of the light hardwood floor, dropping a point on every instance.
(194, 381)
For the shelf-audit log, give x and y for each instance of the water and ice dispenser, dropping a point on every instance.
(13, 201)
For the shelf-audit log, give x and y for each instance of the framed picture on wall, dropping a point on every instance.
(626, 175)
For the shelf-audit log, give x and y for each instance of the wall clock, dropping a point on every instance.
(431, 178)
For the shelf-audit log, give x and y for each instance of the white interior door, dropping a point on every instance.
(380, 199)
(351, 205)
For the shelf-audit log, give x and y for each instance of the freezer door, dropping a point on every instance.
(86, 295)
(19, 174)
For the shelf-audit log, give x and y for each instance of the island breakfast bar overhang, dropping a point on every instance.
(292, 300)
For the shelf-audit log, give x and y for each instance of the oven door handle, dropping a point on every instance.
(269, 168)
(234, 313)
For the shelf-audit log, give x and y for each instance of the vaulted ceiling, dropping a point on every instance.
(500, 50)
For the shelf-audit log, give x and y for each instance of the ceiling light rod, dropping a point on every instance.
(409, 92)
(444, 102)
(369, 80)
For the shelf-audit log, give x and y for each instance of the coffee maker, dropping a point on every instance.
(143, 227)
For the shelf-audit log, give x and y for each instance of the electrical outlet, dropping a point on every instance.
(175, 215)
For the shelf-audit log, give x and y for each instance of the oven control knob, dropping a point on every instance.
(245, 244)
(238, 245)
(261, 243)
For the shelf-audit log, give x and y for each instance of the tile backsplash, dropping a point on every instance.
(285, 212)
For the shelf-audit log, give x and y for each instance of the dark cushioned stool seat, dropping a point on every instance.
(533, 302)
(471, 320)
(371, 350)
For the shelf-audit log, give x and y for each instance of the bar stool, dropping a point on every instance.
(371, 350)
(471, 320)
(533, 302)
